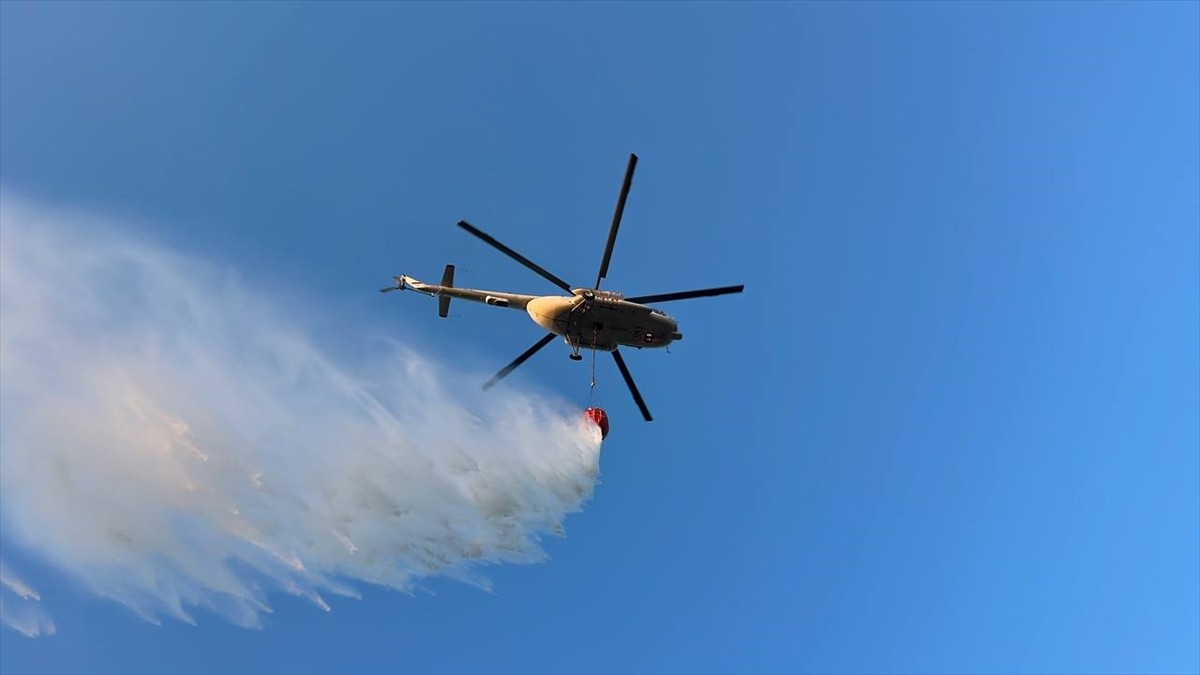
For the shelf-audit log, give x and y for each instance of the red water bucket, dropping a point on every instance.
(598, 417)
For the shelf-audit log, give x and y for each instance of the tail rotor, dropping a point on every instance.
(398, 287)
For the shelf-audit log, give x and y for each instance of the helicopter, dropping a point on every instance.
(588, 318)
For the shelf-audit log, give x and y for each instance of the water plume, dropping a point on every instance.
(20, 607)
(172, 441)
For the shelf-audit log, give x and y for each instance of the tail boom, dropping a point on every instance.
(446, 290)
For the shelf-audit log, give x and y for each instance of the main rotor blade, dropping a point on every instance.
(518, 361)
(684, 295)
(616, 222)
(632, 387)
(514, 255)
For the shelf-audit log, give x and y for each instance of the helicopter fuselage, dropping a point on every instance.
(588, 319)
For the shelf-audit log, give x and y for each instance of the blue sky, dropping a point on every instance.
(951, 426)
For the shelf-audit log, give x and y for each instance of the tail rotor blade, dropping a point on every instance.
(514, 255)
(616, 222)
(637, 397)
(518, 361)
(685, 295)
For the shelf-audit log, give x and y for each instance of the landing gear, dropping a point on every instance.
(575, 357)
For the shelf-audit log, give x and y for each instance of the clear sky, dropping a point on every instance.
(951, 426)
